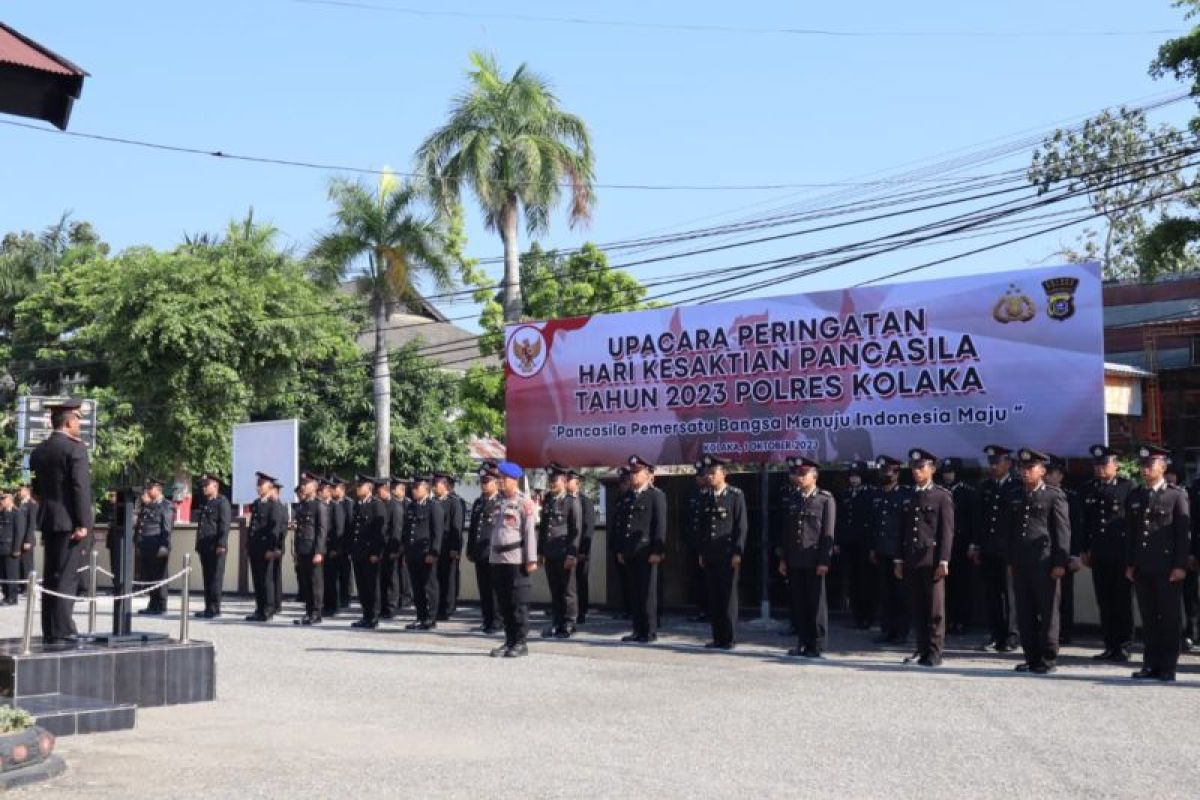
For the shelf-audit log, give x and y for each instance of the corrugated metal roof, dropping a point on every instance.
(1162, 311)
(22, 51)
(1172, 358)
(1126, 370)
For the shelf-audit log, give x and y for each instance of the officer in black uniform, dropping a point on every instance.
(335, 553)
(622, 506)
(212, 542)
(28, 530)
(586, 531)
(268, 527)
(454, 512)
(894, 616)
(692, 536)
(152, 533)
(720, 529)
(989, 550)
(10, 547)
(277, 557)
(806, 544)
(424, 524)
(483, 512)
(365, 541)
(1039, 531)
(309, 544)
(1191, 581)
(559, 527)
(391, 580)
(389, 589)
(923, 558)
(346, 577)
(855, 536)
(960, 589)
(644, 543)
(1104, 547)
(1159, 545)
(1056, 469)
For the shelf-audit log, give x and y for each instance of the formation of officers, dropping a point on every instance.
(915, 558)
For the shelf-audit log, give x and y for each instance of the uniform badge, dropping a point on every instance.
(1060, 297)
(1013, 306)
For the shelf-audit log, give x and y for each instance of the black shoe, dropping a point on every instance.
(883, 638)
(256, 617)
(388, 615)
(926, 661)
(914, 658)
(1166, 677)
(811, 652)
(698, 618)
(727, 646)
(1005, 648)
(1022, 668)
(329, 612)
(581, 620)
(203, 615)
(1119, 657)
(549, 632)
(633, 637)
(1144, 673)
(487, 630)
(1106, 655)
(498, 652)
(428, 626)
(443, 617)
(1187, 645)
(360, 623)
(1063, 641)
(152, 612)
(415, 625)
(302, 621)
(1043, 669)
(565, 632)
(516, 651)
(711, 646)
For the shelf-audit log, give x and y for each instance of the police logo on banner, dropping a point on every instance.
(526, 351)
(1060, 297)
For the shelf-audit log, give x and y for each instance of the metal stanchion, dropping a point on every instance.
(30, 595)
(184, 612)
(93, 568)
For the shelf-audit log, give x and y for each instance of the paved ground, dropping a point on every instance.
(332, 711)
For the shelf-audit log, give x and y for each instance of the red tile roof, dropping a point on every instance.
(24, 52)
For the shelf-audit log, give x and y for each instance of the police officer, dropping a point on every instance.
(309, 544)
(152, 533)
(923, 558)
(391, 584)
(854, 537)
(389, 589)
(622, 507)
(558, 543)
(1039, 530)
(721, 527)
(1056, 469)
(692, 536)
(894, 616)
(806, 546)
(586, 531)
(424, 524)
(212, 542)
(479, 548)
(281, 543)
(1159, 525)
(989, 549)
(1191, 582)
(645, 541)
(336, 562)
(10, 547)
(1104, 548)
(514, 557)
(28, 524)
(454, 512)
(365, 541)
(959, 586)
(268, 527)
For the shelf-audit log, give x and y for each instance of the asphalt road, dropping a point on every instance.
(331, 711)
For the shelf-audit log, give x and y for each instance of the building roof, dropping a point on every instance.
(21, 51)
(1125, 370)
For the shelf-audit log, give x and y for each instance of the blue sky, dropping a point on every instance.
(363, 86)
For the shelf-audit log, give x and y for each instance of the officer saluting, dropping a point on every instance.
(152, 532)
(721, 527)
(558, 542)
(1158, 548)
(1104, 548)
(212, 542)
(479, 547)
(810, 517)
(645, 541)
(923, 557)
(422, 540)
(514, 555)
(1039, 529)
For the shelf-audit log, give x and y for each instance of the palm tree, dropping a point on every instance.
(511, 144)
(399, 243)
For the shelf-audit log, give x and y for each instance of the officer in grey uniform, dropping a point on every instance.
(479, 548)
(721, 528)
(894, 616)
(1039, 529)
(311, 526)
(1159, 545)
(558, 542)
(1104, 548)
(152, 532)
(923, 559)
(212, 542)
(514, 557)
(810, 519)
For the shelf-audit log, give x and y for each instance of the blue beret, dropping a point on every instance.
(509, 470)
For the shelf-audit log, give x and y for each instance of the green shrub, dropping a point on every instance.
(14, 719)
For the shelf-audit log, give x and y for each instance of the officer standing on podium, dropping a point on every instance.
(1159, 545)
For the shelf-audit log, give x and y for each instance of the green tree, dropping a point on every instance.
(553, 285)
(385, 229)
(1128, 169)
(511, 144)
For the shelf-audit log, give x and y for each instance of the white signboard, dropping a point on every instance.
(270, 447)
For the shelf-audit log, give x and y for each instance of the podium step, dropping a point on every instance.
(67, 715)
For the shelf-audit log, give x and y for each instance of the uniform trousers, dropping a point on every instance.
(809, 610)
(389, 584)
(1159, 601)
(862, 581)
(62, 560)
(581, 588)
(154, 569)
(425, 584)
(262, 575)
(998, 599)
(563, 603)
(10, 570)
(487, 593)
(1037, 610)
(512, 587)
(721, 591)
(1191, 601)
(366, 576)
(447, 583)
(960, 591)
(894, 615)
(212, 567)
(311, 578)
(1114, 598)
(643, 577)
(928, 611)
